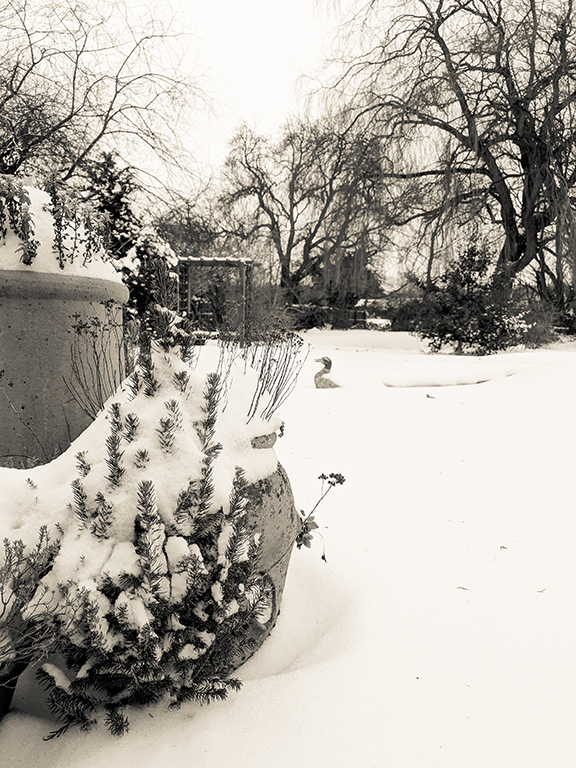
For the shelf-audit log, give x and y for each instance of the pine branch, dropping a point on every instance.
(102, 518)
(150, 537)
(69, 707)
(90, 622)
(173, 408)
(238, 495)
(187, 505)
(115, 418)
(141, 458)
(116, 721)
(82, 465)
(205, 484)
(114, 458)
(80, 505)
(181, 379)
(131, 424)
(187, 342)
(150, 383)
(166, 433)
(238, 547)
(133, 383)
(212, 394)
(148, 512)
(170, 425)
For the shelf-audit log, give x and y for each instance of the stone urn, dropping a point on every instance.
(60, 343)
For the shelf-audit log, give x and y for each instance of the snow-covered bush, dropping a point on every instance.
(135, 247)
(464, 308)
(534, 325)
(146, 578)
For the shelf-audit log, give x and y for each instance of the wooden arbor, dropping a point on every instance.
(201, 294)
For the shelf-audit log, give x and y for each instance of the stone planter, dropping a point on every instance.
(53, 329)
(50, 338)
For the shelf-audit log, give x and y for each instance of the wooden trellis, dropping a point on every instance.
(186, 293)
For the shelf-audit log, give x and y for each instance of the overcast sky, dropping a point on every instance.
(254, 52)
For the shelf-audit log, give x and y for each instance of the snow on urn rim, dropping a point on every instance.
(66, 256)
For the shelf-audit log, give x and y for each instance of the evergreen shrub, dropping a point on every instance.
(534, 325)
(308, 316)
(464, 308)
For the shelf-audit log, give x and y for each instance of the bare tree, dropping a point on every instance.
(475, 103)
(75, 76)
(311, 194)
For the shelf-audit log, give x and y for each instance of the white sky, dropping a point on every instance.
(254, 52)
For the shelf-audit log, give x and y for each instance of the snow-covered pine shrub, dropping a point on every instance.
(173, 624)
(534, 325)
(464, 307)
(154, 588)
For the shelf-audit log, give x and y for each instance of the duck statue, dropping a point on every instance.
(322, 380)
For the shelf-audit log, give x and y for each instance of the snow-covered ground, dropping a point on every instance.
(441, 631)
